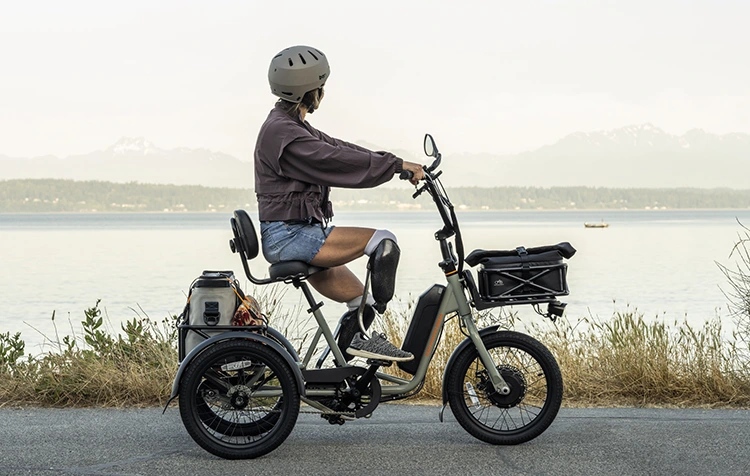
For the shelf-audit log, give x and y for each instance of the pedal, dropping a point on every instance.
(335, 419)
(380, 363)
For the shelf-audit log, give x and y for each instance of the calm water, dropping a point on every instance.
(662, 262)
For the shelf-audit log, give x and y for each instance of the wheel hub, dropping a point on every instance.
(239, 397)
(516, 382)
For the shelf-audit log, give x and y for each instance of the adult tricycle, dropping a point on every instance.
(240, 388)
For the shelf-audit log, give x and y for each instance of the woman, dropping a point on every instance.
(295, 167)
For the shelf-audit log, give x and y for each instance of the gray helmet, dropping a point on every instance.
(297, 70)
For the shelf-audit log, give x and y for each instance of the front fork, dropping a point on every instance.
(464, 313)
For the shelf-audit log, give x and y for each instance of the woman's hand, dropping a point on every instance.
(416, 169)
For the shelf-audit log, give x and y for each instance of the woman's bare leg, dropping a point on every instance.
(338, 284)
(343, 244)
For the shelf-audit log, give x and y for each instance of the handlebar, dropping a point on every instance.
(433, 186)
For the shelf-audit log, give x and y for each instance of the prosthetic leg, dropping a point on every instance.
(382, 266)
(381, 269)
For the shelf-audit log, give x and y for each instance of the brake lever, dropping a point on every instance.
(419, 191)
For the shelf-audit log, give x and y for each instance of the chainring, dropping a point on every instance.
(349, 400)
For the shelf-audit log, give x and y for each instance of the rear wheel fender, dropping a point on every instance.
(281, 350)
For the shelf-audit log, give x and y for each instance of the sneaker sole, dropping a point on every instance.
(370, 355)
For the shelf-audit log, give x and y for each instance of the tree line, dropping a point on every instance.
(51, 195)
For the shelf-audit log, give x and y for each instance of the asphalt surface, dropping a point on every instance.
(397, 440)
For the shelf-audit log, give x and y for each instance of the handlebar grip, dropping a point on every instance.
(406, 175)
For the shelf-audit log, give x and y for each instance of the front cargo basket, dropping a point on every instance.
(520, 276)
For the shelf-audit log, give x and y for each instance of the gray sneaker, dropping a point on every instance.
(377, 347)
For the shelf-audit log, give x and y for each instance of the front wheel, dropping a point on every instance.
(535, 383)
(239, 399)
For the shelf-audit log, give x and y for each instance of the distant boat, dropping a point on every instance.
(596, 225)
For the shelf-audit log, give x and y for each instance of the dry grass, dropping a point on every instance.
(100, 368)
(624, 360)
(629, 361)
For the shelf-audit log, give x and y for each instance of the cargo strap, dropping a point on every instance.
(525, 274)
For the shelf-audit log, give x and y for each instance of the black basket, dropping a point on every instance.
(520, 276)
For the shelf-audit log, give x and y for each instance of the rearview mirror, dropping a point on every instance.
(429, 146)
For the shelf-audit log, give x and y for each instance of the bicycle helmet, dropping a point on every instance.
(297, 70)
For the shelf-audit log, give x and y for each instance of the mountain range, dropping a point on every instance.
(633, 156)
(137, 160)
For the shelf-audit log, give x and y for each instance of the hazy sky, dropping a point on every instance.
(491, 76)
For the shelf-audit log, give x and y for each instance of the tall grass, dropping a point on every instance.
(100, 367)
(738, 279)
(623, 360)
(627, 360)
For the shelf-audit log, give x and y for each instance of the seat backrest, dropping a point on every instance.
(245, 243)
(245, 239)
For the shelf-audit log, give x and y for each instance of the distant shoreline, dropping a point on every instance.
(60, 196)
(389, 210)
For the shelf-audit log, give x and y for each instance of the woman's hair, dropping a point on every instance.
(311, 101)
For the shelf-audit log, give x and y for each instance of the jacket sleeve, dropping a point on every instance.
(337, 163)
(340, 143)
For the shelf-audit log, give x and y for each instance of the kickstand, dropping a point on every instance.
(442, 410)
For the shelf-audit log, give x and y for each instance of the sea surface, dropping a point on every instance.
(661, 262)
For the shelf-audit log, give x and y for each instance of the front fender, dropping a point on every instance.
(466, 343)
(284, 353)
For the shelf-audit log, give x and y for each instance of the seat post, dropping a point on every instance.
(323, 327)
(299, 284)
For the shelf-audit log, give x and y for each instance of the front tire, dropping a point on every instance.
(239, 399)
(534, 379)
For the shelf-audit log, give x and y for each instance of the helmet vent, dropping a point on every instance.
(302, 58)
(312, 54)
(277, 56)
(291, 63)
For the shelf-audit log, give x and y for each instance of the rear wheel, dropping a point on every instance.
(239, 399)
(535, 396)
(212, 410)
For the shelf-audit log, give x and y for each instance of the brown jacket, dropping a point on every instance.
(296, 164)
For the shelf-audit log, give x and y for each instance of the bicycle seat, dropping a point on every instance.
(288, 269)
(245, 243)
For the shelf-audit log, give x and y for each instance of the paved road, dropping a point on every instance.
(398, 440)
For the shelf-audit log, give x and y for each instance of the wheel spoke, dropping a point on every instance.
(534, 397)
(239, 399)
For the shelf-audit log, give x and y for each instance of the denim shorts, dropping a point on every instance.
(292, 242)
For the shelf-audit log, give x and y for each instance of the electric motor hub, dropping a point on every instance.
(516, 382)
